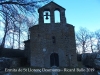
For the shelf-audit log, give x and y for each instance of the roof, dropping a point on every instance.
(27, 41)
(14, 53)
(51, 5)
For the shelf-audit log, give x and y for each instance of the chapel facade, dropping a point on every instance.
(51, 43)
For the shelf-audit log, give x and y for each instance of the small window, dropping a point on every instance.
(53, 39)
(38, 35)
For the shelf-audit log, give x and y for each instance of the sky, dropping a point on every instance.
(82, 13)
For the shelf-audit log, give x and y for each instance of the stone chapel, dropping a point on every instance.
(51, 43)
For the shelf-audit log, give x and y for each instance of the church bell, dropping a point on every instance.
(46, 14)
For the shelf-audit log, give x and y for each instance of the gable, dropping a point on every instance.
(52, 5)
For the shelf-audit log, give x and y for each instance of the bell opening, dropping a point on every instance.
(46, 17)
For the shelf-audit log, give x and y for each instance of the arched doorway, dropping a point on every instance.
(54, 59)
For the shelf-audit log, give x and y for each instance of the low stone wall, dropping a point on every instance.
(11, 62)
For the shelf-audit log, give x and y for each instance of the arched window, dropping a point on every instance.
(57, 16)
(46, 16)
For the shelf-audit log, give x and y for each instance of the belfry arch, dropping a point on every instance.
(57, 16)
(47, 17)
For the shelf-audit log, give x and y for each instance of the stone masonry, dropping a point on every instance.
(52, 43)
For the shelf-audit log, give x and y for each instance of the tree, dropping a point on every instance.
(97, 36)
(87, 41)
(17, 16)
(91, 41)
(82, 37)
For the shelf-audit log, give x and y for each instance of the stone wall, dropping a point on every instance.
(65, 47)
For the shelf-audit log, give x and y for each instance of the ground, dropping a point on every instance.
(38, 71)
(22, 71)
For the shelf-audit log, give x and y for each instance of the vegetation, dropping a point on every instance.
(87, 41)
(16, 16)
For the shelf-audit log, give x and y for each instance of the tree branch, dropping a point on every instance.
(10, 2)
(17, 3)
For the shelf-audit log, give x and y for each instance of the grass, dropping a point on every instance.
(60, 73)
(28, 72)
